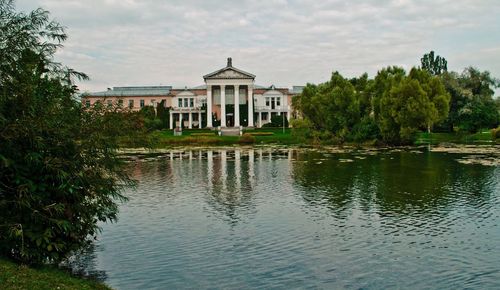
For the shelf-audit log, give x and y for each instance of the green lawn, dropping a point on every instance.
(14, 277)
(205, 137)
(483, 136)
(191, 137)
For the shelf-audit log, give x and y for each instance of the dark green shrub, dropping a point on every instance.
(246, 139)
(367, 129)
(495, 133)
(59, 169)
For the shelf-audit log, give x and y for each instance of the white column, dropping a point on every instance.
(250, 105)
(180, 120)
(209, 106)
(251, 172)
(171, 124)
(199, 120)
(210, 169)
(236, 106)
(223, 168)
(223, 106)
(237, 169)
(288, 115)
(260, 119)
(190, 120)
(269, 116)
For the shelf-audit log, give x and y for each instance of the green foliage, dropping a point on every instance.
(148, 112)
(16, 277)
(163, 114)
(333, 106)
(246, 139)
(435, 65)
(407, 104)
(277, 122)
(261, 133)
(472, 106)
(301, 129)
(366, 129)
(495, 133)
(203, 134)
(59, 170)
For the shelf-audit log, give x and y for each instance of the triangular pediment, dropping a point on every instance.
(229, 73)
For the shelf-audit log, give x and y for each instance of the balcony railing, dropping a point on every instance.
(196, 106)
(270, 109)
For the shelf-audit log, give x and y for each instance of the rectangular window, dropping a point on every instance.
(191, 102)
(267, 102)
(278, 101)
(141, 102)
(87, 103)
(186, 102)
(120, 103)
(180, 102)
(130, 104)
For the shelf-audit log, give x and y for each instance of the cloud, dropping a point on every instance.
(283, 42)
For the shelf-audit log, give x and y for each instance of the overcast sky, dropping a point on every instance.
(153, 42)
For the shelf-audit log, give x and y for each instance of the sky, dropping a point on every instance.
(282, 42)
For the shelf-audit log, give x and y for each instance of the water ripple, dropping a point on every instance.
(305, 219)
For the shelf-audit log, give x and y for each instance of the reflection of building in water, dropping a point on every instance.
(208, 105)
(228, 179)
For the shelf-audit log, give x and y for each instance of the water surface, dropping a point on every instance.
(287, 218)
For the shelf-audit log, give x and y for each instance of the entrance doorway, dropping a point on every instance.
(229, 119)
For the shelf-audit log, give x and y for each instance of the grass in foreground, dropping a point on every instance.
(14, 277)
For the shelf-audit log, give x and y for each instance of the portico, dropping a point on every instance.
(229, 87)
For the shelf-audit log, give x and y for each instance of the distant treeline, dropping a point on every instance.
(395, 105)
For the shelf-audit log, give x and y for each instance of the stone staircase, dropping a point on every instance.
(230, 131)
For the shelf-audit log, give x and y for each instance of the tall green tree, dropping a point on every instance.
(407, 104)
(472, 106)
(163, 113)
(59, 169)
(435, 65)
(332, 106)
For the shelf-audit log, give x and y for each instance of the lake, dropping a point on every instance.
(288, 218)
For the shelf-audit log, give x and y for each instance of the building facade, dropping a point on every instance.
(228, 98)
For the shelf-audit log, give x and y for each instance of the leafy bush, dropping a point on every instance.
(246, 139)
(367, 129)
(59, 170)
(153, 124)
(301, 129)
(260, 133)
(495, 133)
(276, 122)
(202, 134)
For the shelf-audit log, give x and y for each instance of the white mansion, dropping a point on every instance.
(215, 100)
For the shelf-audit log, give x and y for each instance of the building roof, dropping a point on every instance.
(229, 72)
(133, 91)
(297, 89)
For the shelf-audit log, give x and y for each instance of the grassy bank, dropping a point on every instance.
(166, 138)
(14, 276)
(204, 137)
(482, 137)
